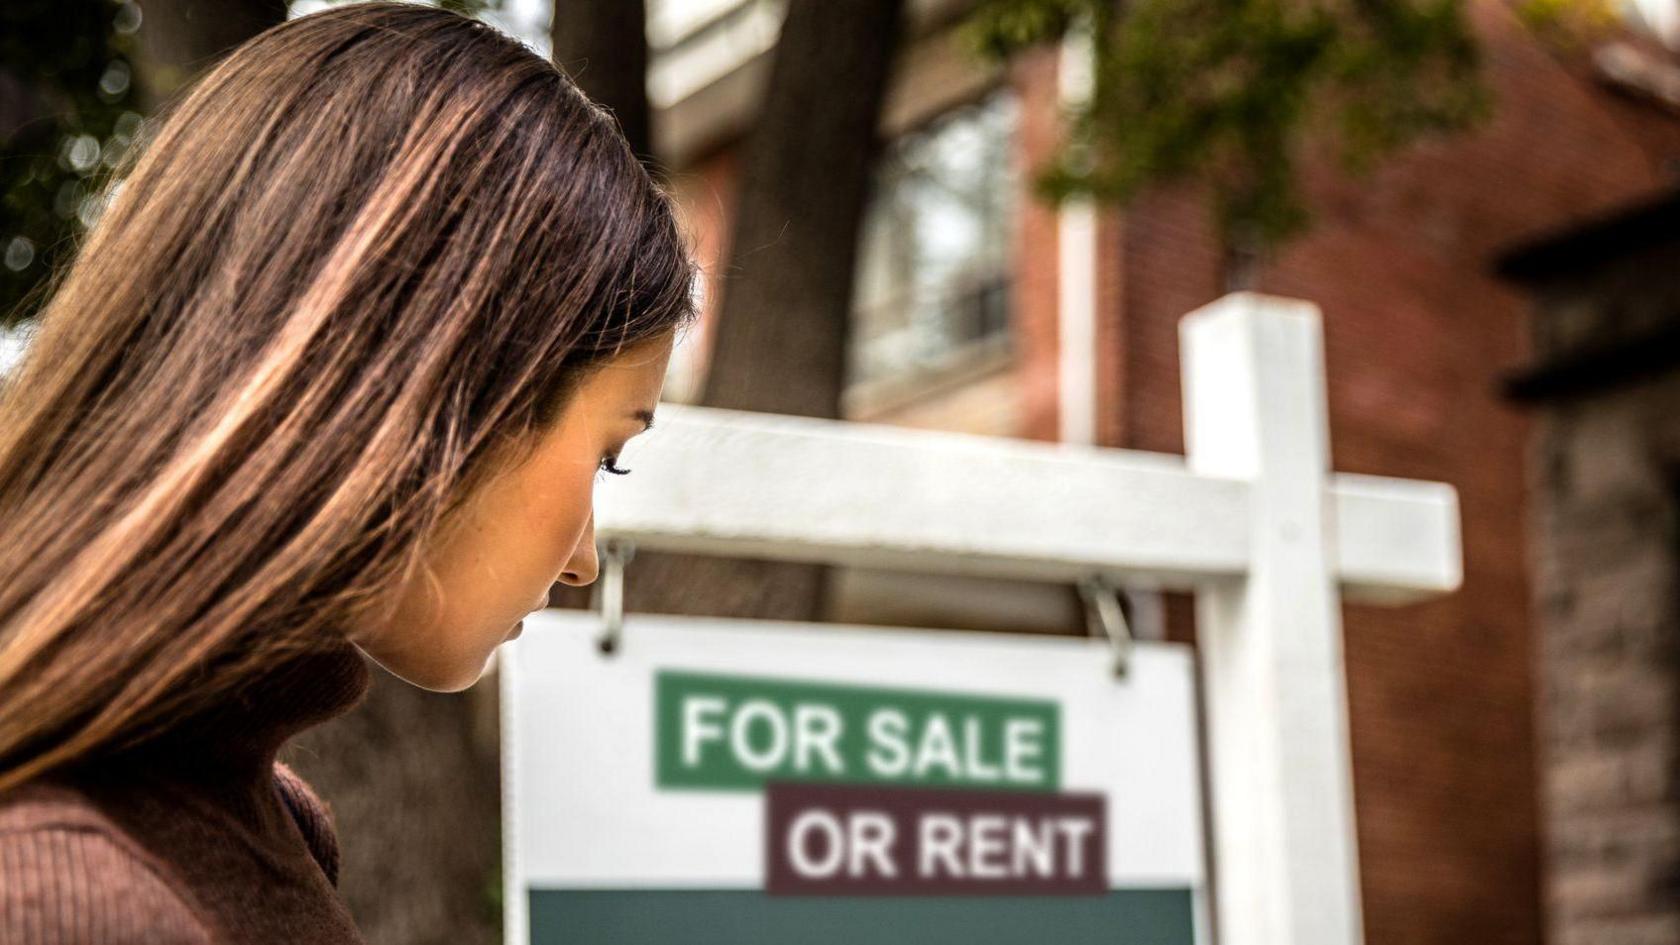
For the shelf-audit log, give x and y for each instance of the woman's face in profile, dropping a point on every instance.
(525, 528)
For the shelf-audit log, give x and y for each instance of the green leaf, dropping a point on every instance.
(1230, 94)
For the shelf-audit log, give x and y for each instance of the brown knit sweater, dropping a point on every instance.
(198, 837)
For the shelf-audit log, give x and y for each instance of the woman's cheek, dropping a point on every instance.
(562, 508)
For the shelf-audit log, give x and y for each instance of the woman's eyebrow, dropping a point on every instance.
(646, 416)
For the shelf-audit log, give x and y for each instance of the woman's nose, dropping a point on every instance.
(584, 567)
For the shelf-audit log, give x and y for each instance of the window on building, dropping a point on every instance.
(936, 255)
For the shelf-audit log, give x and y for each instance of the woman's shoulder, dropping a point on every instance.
(313, 816)
(69, 875)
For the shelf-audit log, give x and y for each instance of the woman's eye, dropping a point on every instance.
(610, 464)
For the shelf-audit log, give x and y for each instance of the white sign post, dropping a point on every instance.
(1271, 641)
(1252, 521)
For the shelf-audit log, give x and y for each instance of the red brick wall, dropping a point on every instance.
(1036, 298)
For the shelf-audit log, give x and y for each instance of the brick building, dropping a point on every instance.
(981, 310)
(1604, 388)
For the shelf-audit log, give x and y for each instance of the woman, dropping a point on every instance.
(331, 378)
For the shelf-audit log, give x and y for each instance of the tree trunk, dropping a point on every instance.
(781, 335)
(180, 39)
(602, 45)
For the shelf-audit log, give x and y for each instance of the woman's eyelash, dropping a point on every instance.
(610, 464)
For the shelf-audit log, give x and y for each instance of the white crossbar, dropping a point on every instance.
(794, 488)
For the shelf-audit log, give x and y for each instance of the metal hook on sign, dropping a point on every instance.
(615, 554)
(1103, 613)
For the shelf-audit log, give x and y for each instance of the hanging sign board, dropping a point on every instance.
(725, 782)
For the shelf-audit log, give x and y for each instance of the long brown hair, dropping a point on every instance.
(356, 267)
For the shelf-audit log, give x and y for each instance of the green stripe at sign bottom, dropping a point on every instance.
(749, 917)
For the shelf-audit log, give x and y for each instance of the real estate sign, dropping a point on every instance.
(740, 782)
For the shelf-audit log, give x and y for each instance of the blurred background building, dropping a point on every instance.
(1498, 316)
(965, 291)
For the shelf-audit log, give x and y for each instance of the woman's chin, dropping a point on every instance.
(434, 676)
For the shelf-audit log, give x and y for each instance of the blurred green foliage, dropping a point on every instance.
(67, 114)
(1571, 24)
(1235, 94)
(64, 116)
(470, 7)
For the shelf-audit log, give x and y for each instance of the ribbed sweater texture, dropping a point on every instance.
(199, 836)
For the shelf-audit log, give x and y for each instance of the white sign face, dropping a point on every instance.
(725, 781)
